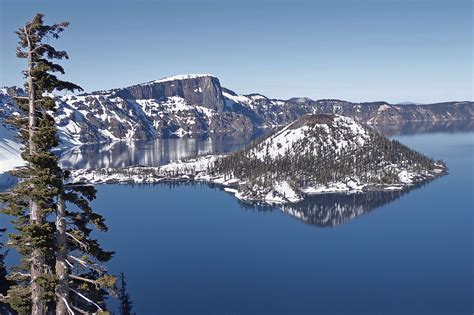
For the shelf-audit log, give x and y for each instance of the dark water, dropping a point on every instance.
(194, 249)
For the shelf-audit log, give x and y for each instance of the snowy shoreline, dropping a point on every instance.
(197, 170)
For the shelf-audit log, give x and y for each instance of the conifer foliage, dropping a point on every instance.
(328, 149)
(60, 264)
(126, 303)
(4, 282)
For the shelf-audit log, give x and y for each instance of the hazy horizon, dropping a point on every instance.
(395, 51)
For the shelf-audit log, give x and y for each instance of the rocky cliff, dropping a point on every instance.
(202, 90)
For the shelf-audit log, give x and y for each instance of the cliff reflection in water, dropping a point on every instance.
(162, 151)
(328, 210)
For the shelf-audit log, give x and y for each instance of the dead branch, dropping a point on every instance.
(86, 299)
(83, 279)
(84, 245)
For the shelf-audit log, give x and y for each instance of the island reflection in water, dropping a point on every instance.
(320, 210)
(323, 210)
(332, 209)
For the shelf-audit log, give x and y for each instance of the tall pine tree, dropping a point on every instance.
(58, 257)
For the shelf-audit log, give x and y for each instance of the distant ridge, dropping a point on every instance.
(408, 103)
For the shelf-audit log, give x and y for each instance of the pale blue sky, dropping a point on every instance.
(364, 50)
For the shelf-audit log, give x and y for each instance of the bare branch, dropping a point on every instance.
(67, 305)
(4, 298)
(82, 262)
(84, 279)
(87, 299)
(85, 264)
(79, 310)
(70, 265)
(86, 247)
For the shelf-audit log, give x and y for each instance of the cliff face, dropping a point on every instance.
(176, 106)
(202, 90)
(197, 104)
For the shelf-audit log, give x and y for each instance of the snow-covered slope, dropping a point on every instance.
(10, 148)
(323, 153)
(174, 106)
(344, 133)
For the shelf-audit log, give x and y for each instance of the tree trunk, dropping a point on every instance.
(62, 290)
(38, 307)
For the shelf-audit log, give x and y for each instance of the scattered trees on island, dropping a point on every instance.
(313, 161)
(60, 268)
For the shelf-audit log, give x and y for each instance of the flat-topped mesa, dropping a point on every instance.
(198, 89)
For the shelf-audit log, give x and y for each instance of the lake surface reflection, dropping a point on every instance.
(162, 151)
(190, 249)
(194, 249)
(328, 210)
(152, 152)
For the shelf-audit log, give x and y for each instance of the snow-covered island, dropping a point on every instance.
(316, 154)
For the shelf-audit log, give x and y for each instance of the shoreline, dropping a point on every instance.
(196, 170)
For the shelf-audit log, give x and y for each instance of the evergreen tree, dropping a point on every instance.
(83, 281)
(4, 282)
(125, 300)
(57, 258)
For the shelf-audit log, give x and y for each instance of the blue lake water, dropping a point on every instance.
(194, 249)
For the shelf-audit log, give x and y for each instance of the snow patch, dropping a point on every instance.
(181, 77)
